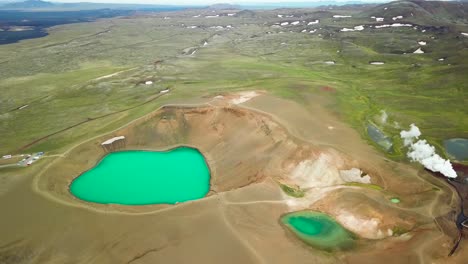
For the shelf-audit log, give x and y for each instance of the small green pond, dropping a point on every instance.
(145, 177)
(457, 148)
(319, 230)
(379, 137)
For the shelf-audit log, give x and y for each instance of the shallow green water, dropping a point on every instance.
(457, 148)
(145, 177)
(379, 137)
(319, 230)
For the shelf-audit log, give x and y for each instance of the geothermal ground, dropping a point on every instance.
(251, 154)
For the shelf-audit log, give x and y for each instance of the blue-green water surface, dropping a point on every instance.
(457, 148)
(379, 137)
(145, 177)
(319, 230)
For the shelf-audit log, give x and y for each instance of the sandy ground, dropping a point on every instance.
(249, 145)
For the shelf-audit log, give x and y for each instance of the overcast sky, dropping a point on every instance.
(198, 2)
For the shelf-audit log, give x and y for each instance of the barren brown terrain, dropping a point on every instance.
(251, 150)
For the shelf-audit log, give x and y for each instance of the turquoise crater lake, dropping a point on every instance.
(319, 230)
(145, 177)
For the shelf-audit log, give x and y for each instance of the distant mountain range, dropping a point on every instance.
(28, 4)
(310, 4)
(40, 4)
(46, 5)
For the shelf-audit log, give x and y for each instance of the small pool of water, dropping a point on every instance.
(145, 177)
(379, 137)
(319, 230)
(457, 148)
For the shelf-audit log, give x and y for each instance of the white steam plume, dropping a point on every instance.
(410, 135)
(383, 117)
(425, 154)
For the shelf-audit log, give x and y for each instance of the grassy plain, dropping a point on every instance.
(58, 76)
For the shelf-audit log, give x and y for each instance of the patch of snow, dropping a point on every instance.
(393, 25)
(423, 30)
(377, 63)
(280, 16)
(379, 19)
(441, 59)
(295, 23)
(464, 34)
(356, 28)
(164, 91)
(313, 22)
(112, 140)
(211, 16)
(397, 17)
(284, 23)
(422, 43)
(340, 16)
(359, 28)
(312, 31)
(329, 62)
(192, 26)
(148, 82)
(385, 8)
(401, 25)
(418, 51)
(304, 30)
(205, 43)
(230, 14)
